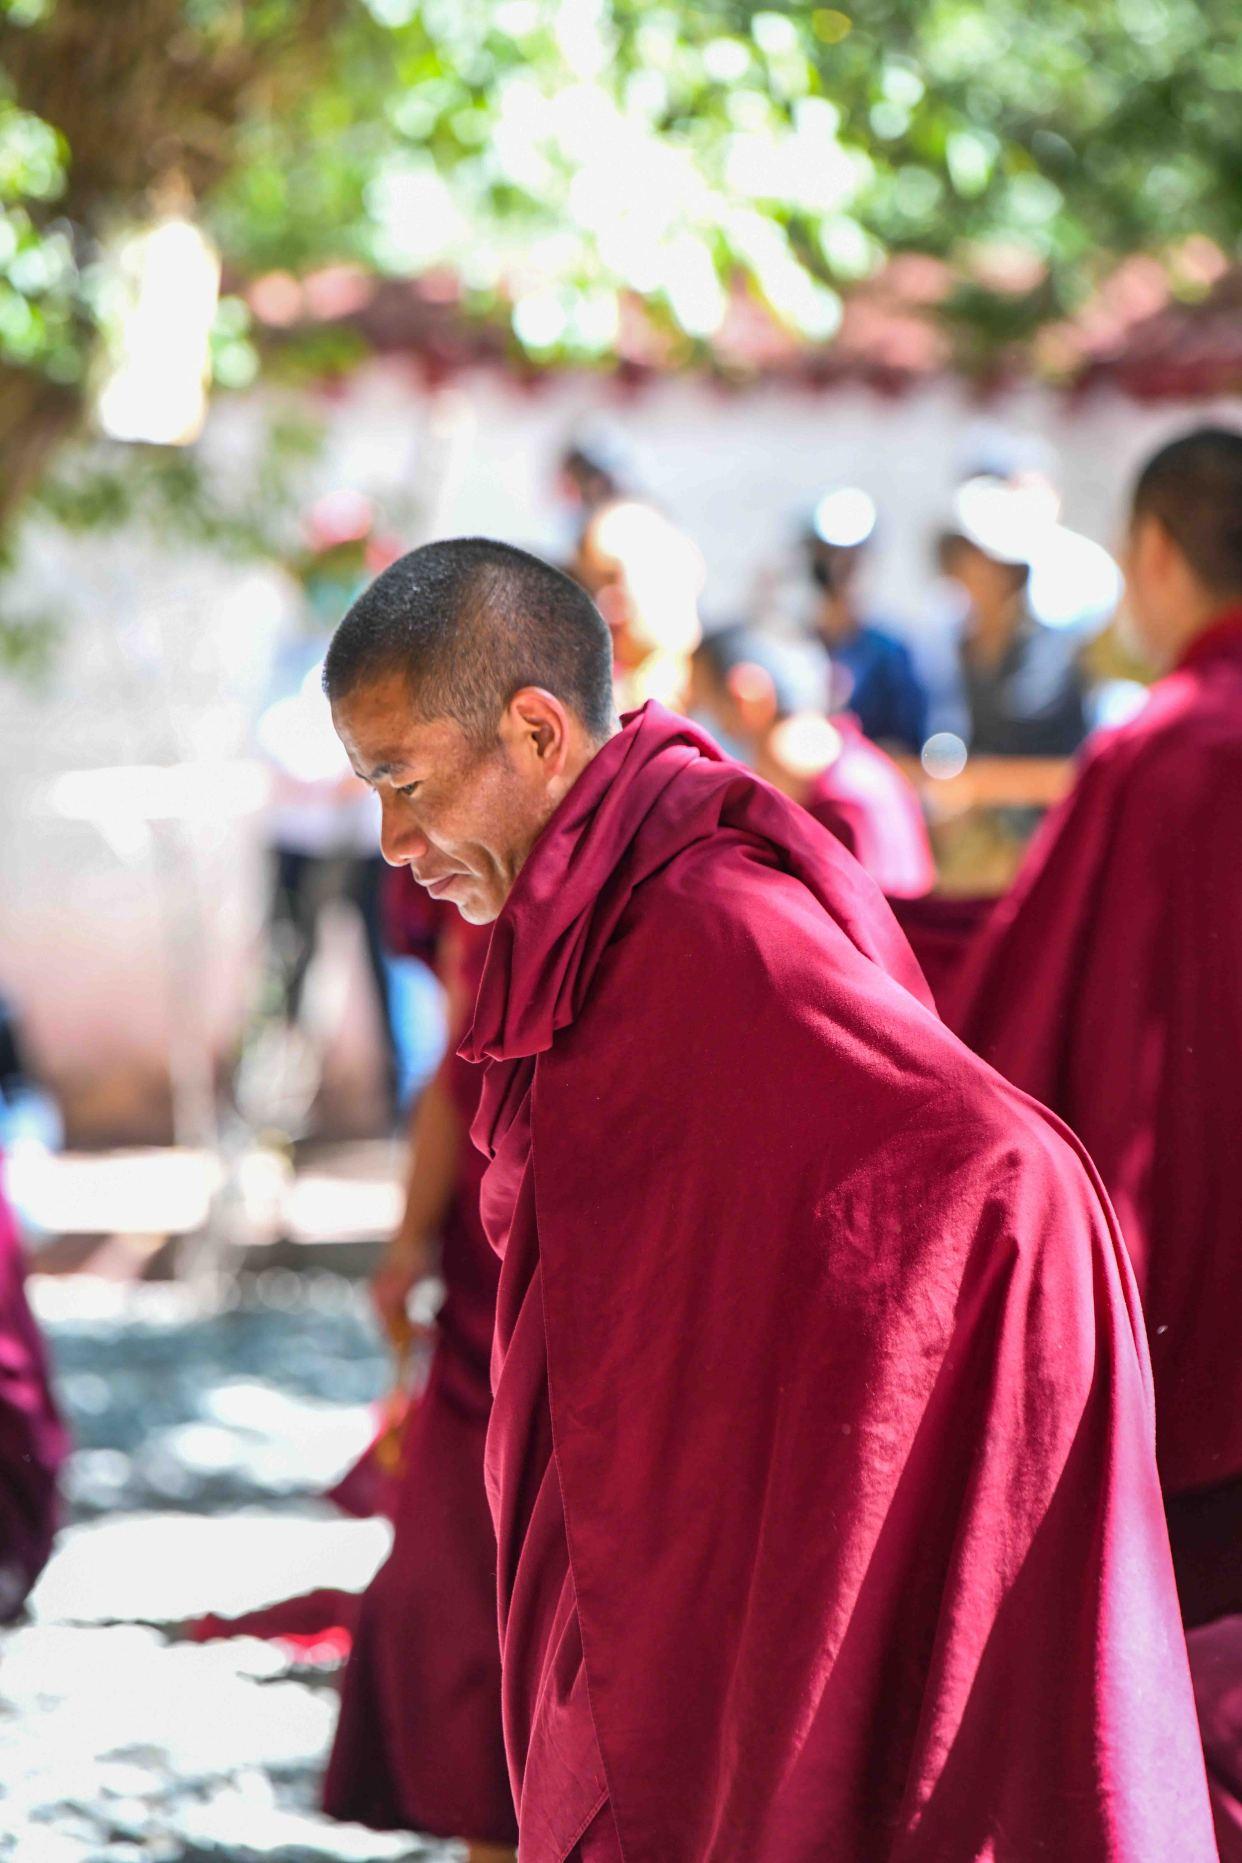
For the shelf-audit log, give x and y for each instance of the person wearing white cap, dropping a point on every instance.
(873, 674)
(1022, 687)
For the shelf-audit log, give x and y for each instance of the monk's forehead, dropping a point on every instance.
(381, 721)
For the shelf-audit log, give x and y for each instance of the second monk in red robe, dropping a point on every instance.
(1109, 985)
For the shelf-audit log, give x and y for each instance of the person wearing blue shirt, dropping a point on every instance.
(873, 673)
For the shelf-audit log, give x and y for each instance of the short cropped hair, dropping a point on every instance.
(468, 622)
(1194, 487)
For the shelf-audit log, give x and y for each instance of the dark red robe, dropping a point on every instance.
(821, 1450)
(941, 929)
(865, 800)
(1108, 983)
(1216, 1668)
(419, 1744)
(33, 1441)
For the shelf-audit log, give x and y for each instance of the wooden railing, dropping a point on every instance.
(992, 783)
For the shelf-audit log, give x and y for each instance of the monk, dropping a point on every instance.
(766, 695)
(821, 1448)
(419, 1743)
(33, 1441)
(1109, 984)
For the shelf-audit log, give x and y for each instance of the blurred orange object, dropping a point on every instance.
(370, 1486)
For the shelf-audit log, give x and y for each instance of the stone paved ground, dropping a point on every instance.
(204, 1440)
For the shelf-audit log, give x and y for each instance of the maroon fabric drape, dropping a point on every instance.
(419, 1743)
(1216, 1666)
(942, 932)
(33, 1440)
(1109, 985)
(821, 1450)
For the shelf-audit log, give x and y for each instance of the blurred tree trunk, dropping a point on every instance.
(151, 101)
(35, 416)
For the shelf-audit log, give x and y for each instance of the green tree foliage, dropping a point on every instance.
(109, 115)
(551, 151)
(560, 155)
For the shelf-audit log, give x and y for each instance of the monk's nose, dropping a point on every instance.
(400, 841)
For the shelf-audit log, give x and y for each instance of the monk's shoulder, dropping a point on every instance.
(720, 903)
(985, 1152)
(1165, 774)
(728, 950)
(1183, 735)
(719, 955)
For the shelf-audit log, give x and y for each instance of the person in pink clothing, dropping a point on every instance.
(33, 1440)
(766, 696)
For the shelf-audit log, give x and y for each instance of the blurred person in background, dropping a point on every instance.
(781, 1267)
(1109, 985)
(419, 1744)
(28, 1112)
(646, 577)
(1109, 981)
(322, 825)
(873, 673)
(33, 1441)
(1074, 582)
(31, 1127)
(1031, 594)
(595, 469)
(766, 694)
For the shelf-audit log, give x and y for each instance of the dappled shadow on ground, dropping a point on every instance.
(205, 1440)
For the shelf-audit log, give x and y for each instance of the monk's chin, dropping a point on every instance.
(477, 911)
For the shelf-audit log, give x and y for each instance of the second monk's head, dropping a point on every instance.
(1184, 552)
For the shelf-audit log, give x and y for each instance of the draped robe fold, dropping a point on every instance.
(821, 1450)
(33, 1440)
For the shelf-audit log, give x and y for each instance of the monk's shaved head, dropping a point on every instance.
(470, 686)
(1194, 488)
(467, 623)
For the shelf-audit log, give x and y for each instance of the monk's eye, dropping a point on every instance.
(407, 789)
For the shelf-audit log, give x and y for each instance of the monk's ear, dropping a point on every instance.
(535, 728)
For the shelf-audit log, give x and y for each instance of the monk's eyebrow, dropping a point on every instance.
(381, 769)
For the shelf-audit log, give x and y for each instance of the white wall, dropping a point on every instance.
(736, 468)
(168, 652)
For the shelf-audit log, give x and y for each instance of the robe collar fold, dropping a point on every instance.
(1220, 637)
(532, 981)
(654, 789)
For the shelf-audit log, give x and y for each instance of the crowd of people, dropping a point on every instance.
(996, 663)
(833, 1440)
(1016, 593)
